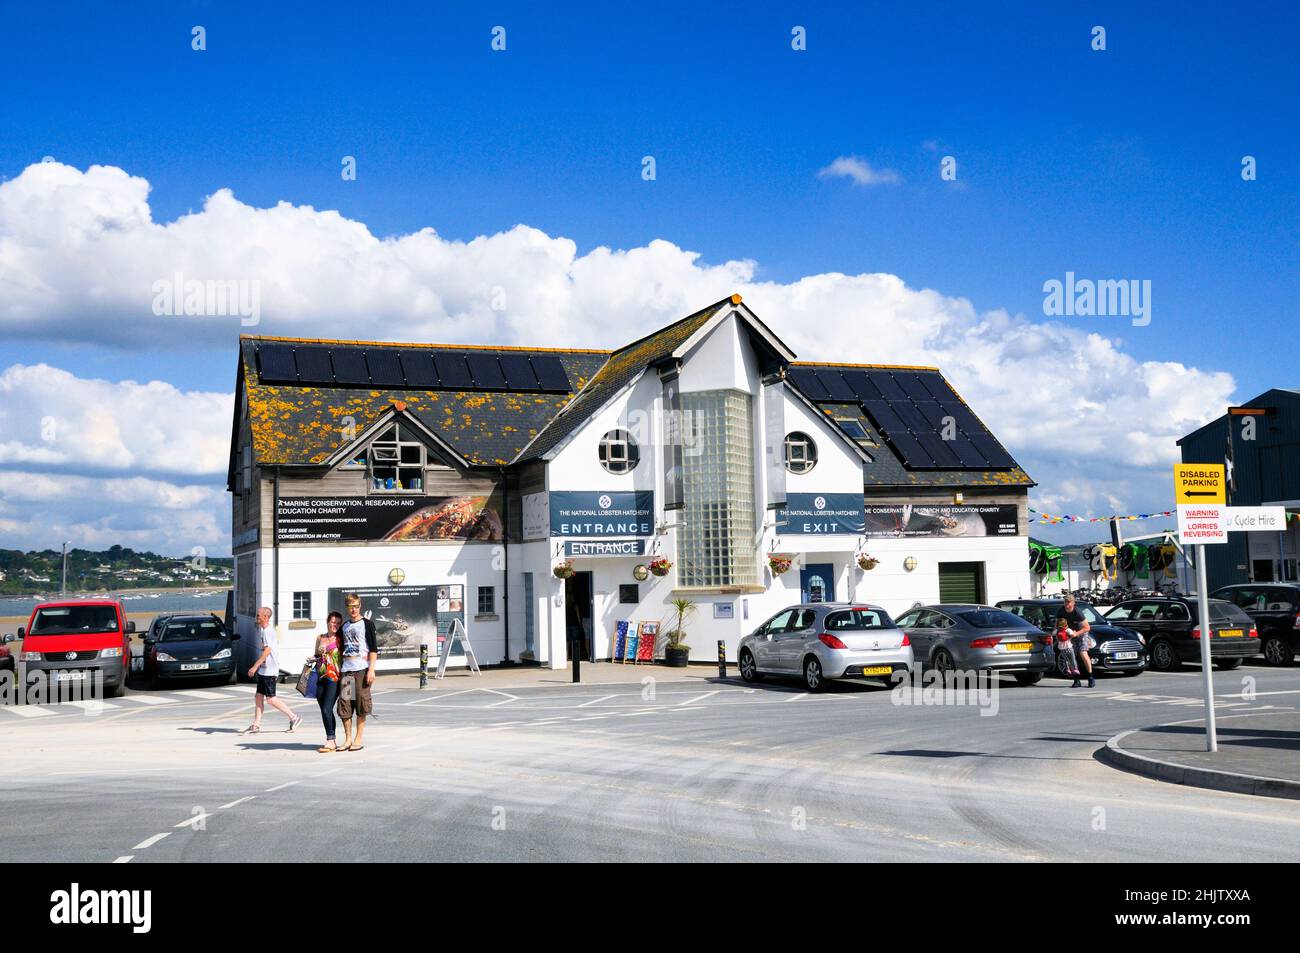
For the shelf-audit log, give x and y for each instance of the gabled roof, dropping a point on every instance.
(1261, 400)
(295, 424)
(902, 408)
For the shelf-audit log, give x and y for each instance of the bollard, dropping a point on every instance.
(722, 658)
(424, 664)
(576, 655)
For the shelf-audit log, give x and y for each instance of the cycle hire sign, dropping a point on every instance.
(1199, 495)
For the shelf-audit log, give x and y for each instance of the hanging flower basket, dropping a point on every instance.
(660, 566)
(779, 563)
(564, 570)
(867, 562)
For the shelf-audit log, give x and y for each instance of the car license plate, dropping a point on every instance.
(1016, 646)
(1230, 633)
(1125, 656)
(194, 666)
(877, 669)
(71, 676)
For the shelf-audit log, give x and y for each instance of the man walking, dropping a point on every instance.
(360, 650)
(266, 670)
(1078, 623)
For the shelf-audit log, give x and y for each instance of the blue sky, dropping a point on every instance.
(1117, 164)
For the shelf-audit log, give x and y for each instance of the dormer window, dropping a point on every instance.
(395, 460)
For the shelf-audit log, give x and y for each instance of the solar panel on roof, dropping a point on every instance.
(970, 458)
(912, 386)
(888, 386)
(452, 371)
(934, 415)
(863, 389)
(385, 368)
(940, 450)
(938, 387)
(959, 412)
(314, 365)
(992, 451)
(418, 369)
(835, 384)
(912, 418)
(486, 371)
(910, 449)
(275, 364)
(884, 416)
(550, 372)
(350, 367)
(519, 373)
(806, 380)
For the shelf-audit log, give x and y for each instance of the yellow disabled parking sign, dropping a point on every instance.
(1198, 484)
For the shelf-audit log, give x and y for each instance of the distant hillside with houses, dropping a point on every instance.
(116, 568)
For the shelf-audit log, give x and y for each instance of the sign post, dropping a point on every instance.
(1199, 495)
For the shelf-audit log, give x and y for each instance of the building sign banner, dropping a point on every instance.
(602, 513)
(822, 514)
(406, 616)
(897, 519)
(604, 547)
(398, 518)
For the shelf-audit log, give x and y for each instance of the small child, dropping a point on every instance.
(1065, 649)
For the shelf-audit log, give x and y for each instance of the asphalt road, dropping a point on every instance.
(699, 771)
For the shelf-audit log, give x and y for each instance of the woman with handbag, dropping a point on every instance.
(327, 678)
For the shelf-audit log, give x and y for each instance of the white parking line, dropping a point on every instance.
(93, 705)
(281, 787)
(196, 819)
(124, 860)
(1290, 691)
(145, 844)
(197, 693)
(698, 698)
(29, 711)
(236, 803)
(795, 698)
(241, 689)
(596, 701)
(151, 699)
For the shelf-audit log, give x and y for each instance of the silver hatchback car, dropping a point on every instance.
(826, 640)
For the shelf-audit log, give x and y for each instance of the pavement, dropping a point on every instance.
(1258, 753)
(657, 764)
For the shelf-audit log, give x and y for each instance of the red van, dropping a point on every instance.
(77, 638)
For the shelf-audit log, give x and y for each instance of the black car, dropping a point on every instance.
(186, 646)
(1116, 649)
(6, 655)
(1275, 610)
(1171, 628)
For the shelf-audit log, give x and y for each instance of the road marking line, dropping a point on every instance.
(196, 693)
(145, 844)
(691, 708)
(92, 704)
(240, 689)
(595, 701)
(203, 816)
(151, 699)
(644, 711)
(29, 711)
(124, 860)
(797, 697)
(698, 698)
(281, 787)
(1292, 691)
(235, 803)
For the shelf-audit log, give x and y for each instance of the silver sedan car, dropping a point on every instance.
(826, 640)
(977, 638)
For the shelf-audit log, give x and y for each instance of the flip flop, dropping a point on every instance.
(324, 750)
(251, 730)
(356, 748)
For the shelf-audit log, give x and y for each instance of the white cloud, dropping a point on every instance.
(860, 171)
(79, 252)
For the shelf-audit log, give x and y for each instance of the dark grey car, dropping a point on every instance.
(969, 637)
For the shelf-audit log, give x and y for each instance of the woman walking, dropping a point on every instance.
(327, 677)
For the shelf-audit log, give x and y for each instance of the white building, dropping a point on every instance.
(448, 482)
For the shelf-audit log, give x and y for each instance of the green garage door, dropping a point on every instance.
(961, 582)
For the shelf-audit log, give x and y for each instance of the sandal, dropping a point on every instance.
(356, 748)
(327, 749)
(251, 730)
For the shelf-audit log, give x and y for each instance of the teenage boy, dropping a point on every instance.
(359, 652)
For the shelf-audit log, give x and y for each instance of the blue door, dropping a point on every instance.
(817, 582)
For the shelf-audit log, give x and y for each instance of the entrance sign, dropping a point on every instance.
(604, 547)
(1198, 483)
(602, 512)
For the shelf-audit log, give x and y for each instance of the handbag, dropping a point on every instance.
(307, 680)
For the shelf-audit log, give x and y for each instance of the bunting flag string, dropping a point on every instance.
(1049, 518)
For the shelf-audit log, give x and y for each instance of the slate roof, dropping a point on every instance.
(300, 425)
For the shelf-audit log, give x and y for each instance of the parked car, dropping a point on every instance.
(78, 640)
(1116, 650)
(951, 637)
(1275, 610)
(6, 655)
(823, 641)
(180, 646)
(1173, 633)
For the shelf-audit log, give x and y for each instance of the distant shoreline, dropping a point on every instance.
(90, 593)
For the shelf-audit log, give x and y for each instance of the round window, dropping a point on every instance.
(800, 452)
(618, 452)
